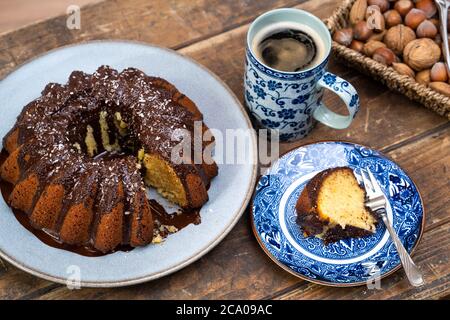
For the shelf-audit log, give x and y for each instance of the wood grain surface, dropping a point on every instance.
(213, 33)
(15, 14)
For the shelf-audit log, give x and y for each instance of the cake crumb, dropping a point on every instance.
(172, 229)
(157, 239)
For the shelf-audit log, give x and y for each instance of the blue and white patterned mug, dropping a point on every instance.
(290, 102)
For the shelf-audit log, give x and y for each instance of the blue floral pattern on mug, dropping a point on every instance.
(260, 93)
(354, 101)
(274, 85)
(329, 79)
(287, 101)
(271, 124)
(287, 114)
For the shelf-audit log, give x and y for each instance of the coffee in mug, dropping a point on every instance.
(286, 74)
(288, 46)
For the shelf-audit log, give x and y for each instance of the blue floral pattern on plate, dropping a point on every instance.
(350, 261)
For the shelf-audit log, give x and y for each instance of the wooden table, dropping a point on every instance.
(213, 33)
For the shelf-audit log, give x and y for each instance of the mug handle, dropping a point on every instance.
(346, 92)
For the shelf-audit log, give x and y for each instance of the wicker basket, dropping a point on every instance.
(387, 75)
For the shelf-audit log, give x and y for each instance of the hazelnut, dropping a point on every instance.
(375, 20)
(344, 36)
(371, 46)
(421, 54)
(426, 30)
(382, 4)
(403, 7)
(361, 31)
(440, 87)
(414, 18)
(384, 56)
(358, 11)
(424, 77)
(439, 72)
(357, 45)
(398, 37)
(377, 36)
(427, 6)
(404, 69)
(392, 18)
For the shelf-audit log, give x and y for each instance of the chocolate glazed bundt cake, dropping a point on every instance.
(80, 155)
(331, 207)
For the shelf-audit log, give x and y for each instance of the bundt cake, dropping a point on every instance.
(80, 155)
(331, 207)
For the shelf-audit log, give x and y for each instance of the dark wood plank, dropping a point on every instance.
(14, 283)
(428, 163)
(166, 23)
(236, 268)
(19, 13)
(431, 256)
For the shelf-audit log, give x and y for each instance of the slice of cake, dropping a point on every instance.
(331, 207)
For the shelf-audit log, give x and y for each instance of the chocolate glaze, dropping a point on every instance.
(147, 105)
(49, 128)
(179, 219)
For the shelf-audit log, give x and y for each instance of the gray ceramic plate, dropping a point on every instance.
(229, 193)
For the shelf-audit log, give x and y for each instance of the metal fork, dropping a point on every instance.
(443, 6)
(376, 201)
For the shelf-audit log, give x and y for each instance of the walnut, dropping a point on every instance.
(421, 54)
(398, 37)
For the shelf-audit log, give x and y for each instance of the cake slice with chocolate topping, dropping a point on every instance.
(331, 207)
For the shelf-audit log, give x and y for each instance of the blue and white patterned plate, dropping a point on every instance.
(348, 262)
